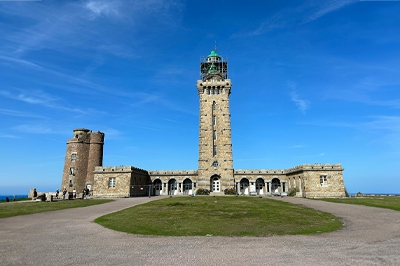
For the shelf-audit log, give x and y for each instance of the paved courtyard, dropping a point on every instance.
(370, 236)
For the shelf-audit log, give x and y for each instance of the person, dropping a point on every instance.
(57, 192)
(83, 193)
(87, 192)
(74, 193)
(34, 193)
(64, 192)
(7, 199)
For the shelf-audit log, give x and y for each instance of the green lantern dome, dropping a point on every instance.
(213, 54)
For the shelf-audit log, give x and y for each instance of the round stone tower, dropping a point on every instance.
(84, 152)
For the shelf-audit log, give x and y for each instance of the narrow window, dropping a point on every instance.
(323, 181)
(214, 150)
(214, 120)
(72, 171)
(73, 157)
(111, 182)
(214, 134)
(213, 106)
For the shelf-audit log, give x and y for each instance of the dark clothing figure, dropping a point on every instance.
(34, 193)
(7, 199)
(57, 192)
(83, 193)
(64, 192)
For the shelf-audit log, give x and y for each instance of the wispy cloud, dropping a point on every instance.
(54, 26)
(308, 11)
(41, 98)
(8, 136)
(296, 146)
(318, 9)
(302, 104)
(34, 129)
(20, 62)
(19, 114)
(103, 8)
(387, 123)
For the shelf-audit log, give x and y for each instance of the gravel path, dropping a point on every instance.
(371, 236)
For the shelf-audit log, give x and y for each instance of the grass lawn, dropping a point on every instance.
(219, 216)
(373, 201)
(10, 209)
(11, 200)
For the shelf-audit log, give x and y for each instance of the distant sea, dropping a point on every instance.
(375, 194)
(3, 197)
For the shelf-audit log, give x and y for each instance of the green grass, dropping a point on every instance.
(220, 216)
(10, 209)
(392, 203)
(18, 199)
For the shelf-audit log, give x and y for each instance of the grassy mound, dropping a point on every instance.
(219, 216)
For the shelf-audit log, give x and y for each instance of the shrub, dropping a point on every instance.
(203, 191)
(230, 191)
(292, 193)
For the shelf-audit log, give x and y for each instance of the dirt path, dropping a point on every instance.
(371, 236)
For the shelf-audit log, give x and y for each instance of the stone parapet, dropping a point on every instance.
(262, 171)
(117, 169)
(173, 172)
(315, 167)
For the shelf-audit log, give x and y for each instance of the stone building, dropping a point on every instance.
(84, 153)
(83, 163)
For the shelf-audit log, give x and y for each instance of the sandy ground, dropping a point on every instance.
(370, 236)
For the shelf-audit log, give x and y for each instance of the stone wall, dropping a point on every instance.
(128, 181)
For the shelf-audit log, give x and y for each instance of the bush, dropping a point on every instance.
(203, 191)
(292, 193)
(230, 191)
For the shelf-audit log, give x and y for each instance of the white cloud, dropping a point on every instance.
(325, 7)
(300, 103)
(8, 136)
(19, 114)
(105, 8)
(41, 98)
(306, 12)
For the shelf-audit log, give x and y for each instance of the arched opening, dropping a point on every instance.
(244, 186)
(260, 184)
(275, 184)
(157, 187)
(172, 187)
(187, 187)
(215, 184)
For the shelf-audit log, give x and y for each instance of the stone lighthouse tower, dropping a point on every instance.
(215, 171)
(84, 153)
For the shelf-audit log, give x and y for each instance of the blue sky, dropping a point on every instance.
(313, 82)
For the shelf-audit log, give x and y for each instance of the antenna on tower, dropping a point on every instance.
(215, 46)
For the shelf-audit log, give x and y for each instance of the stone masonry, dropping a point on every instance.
(84, 156)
